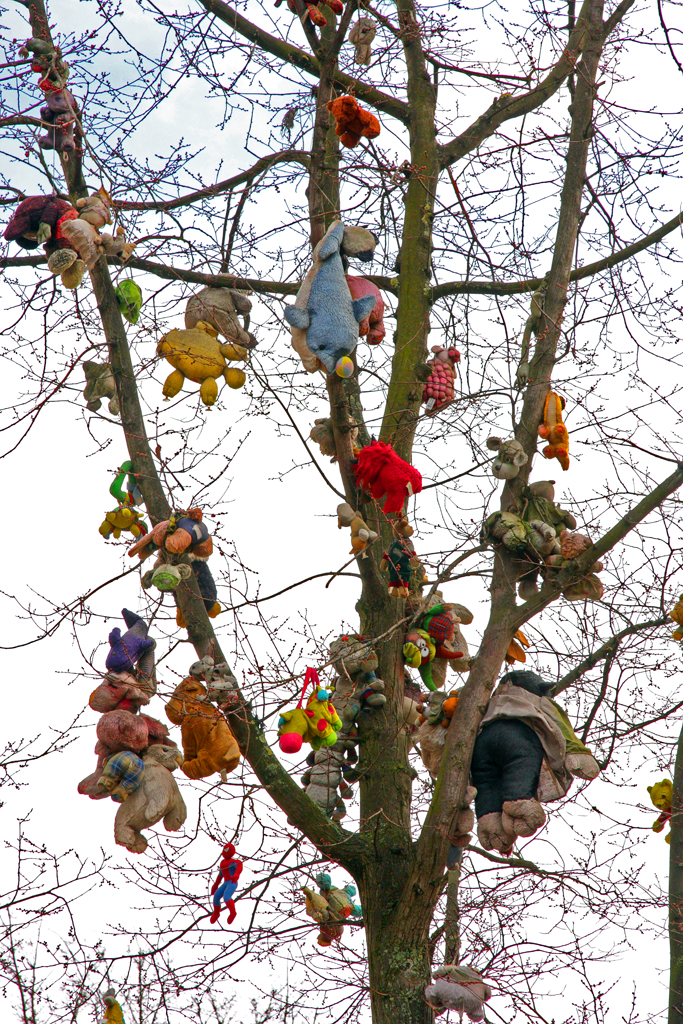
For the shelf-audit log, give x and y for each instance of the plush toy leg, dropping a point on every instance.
(180, 618)
(523, 817)
(128, 837)
(73, 275)
(208, 392)
(214, 610)
(173, 384)
(234, 377)
(493, 835)
(232, 913)
(318, 19)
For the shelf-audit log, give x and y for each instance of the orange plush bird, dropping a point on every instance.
(353, 123)
(554, 431)
(515, 651)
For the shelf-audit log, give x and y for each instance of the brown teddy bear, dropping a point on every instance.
(353, 122)
(208, 742)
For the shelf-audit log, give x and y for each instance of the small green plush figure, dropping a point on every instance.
(129, 298)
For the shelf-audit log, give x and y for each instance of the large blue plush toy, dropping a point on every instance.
(331, 316)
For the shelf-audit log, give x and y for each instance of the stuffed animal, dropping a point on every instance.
(439, 387)
(166, 577)
(399, 561)
(441, 624)
(127, 649)
(589, 587)
(121, 730)
(157, 797)
(509, 459)
(221, 684)
(330, 317)
(83, 231)
(458, 988)
(323, 435)
(122, 775)
(40, 220)
(380, 471)
(419, 650)
(223, 889)
(198, 356)
(220, 307)
(539, 503)
(554, 431)
(431, 733)
(330, 907)
(361, 535)
(113, 1013)
(371, 327)
(661, 794)
(183, 533)
(119, 690)
(316, 16)
(208, 743)
(361, 35)
(353, 122)
(99, 384)
(129, 297)
(521, 731)
(59, 115)
(207, 589)
(357, 243)
(515, 651)
(316, 724)
(676, 614)
(124, 519)
(528, 542)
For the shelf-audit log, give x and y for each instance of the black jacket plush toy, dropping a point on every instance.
(526, 751)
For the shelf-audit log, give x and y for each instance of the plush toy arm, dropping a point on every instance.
(200, 766)
(412, 655)
(363, 307)
(332, 244)
(218, 881)
(233, 351)
(298, 318)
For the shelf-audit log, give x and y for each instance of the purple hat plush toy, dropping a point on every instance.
(127, 650)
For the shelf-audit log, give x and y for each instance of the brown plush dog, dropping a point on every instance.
(208, 743)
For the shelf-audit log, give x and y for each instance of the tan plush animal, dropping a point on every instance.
(208, 743)
(361, 534)
(158, 797)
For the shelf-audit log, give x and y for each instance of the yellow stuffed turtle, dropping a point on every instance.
(198, 356)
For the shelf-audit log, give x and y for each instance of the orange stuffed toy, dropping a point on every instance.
(554, 431)
(353, 123)
(208, 743)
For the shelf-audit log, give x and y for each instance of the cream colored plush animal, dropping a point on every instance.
(158, 797)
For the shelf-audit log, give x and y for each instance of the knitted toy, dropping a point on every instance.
(371, 327)
(313, 13)
(419, 650)
(41, 219)
(99, 384)
(330, 907)
(589, 587)
(113, 1013)
(316, 724)
(661, 794)
(330, 317)
(676, 614)
(183, 533)
(208, 743)
(522, 731)
(129, 298)
(219, 307)
(198, 356)
(361, 35)
(157, 797)
(399, 561)
(509, 459)
(554, 431)
(458, 988)
(223, 889)
(380, 471)
(122, 775)
(127, 649)
(515, 651)
(166, 577)
(361, 535)
(353, 122)
(439, 388)
(357, 243)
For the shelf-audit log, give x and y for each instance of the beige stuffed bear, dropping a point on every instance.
(158, 797)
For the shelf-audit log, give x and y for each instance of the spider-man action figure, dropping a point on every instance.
(229, 871)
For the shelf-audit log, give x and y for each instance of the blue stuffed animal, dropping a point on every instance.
(331, 317)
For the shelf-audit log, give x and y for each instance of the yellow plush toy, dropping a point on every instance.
(676, 614)
(318, 723)
(198, 355)
(661, 794)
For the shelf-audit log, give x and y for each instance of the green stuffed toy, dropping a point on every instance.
(129, 298)
(166, 577)
(125, 518)
(661, 794)
(318, 723)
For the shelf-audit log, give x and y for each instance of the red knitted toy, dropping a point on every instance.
(380, 471)
(439, 390)
(373, 324)
(353, 123)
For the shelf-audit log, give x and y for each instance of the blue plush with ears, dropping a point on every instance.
(331, 318)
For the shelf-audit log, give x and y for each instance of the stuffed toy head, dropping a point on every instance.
(358, 243)
(166, 577)
(352, 655)
(509, 459)
(529, 681)
(380, 471)
(118, 691)
(129, 298)
(661, 794)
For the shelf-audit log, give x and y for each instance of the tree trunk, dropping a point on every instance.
(676, 894)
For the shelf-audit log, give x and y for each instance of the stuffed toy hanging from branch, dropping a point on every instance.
(554, 431)
(330, 907)
(661, 794)
(439, 387)
(371, 327)
(361, 535)
(458, 988)
(113, 1013)
(99, 384)
(380, 471)
(510, 457)
(40, 220)
(312, 12)
(197, 355)
(125, 517)
(361, 35)
(317, 723)
(353, 121)
(223, 889)
(208, 743)
(400, 560)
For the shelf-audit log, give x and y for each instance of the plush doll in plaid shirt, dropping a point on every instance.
(122, 775)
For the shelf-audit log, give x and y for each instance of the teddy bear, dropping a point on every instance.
(661, 794)
(99, 384)
(510, 457)
(361, 534)
(166, 577)
(554, 431)
(157, 797)
(371, 327)
(528, 542)
(329, 317)
(323, 435)
(458, 988)
(381, 472)
(83, 231)
(353, 122)
(220, 307)
(330, 907)
(123, 519)
(222, 687)
(121, 730)
(59, 116)
(676, 614)
(208, 743)
(538, 502)
(439, 387)
(40, 220)
(197, 355)
(431, 733)
(183, 533)
(120, 690)
(361, 35)
(526, 752)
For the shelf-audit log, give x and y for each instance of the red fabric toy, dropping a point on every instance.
(312, 7)
(372, 325)
(229, 871)
(380, 471)
(353, 123)
(439, 390)
(38, 219)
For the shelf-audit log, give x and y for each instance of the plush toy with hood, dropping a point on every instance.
(510, 457)
(330, 907)
(330, 316)
(128, 648)
(220, 308)
(361, 35)
(676, 614)
(183, 533)
(208, 743)
(661, 794)
(316, 724)
(197, 355)
(225, 886)
(526, 752)
(361, 535)
(458, 988)
(382, 473)
(371, 327)
(353, 121)
(157, 798)
(439, 387)
(99, 384)
(554, 431)
(40, 220)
